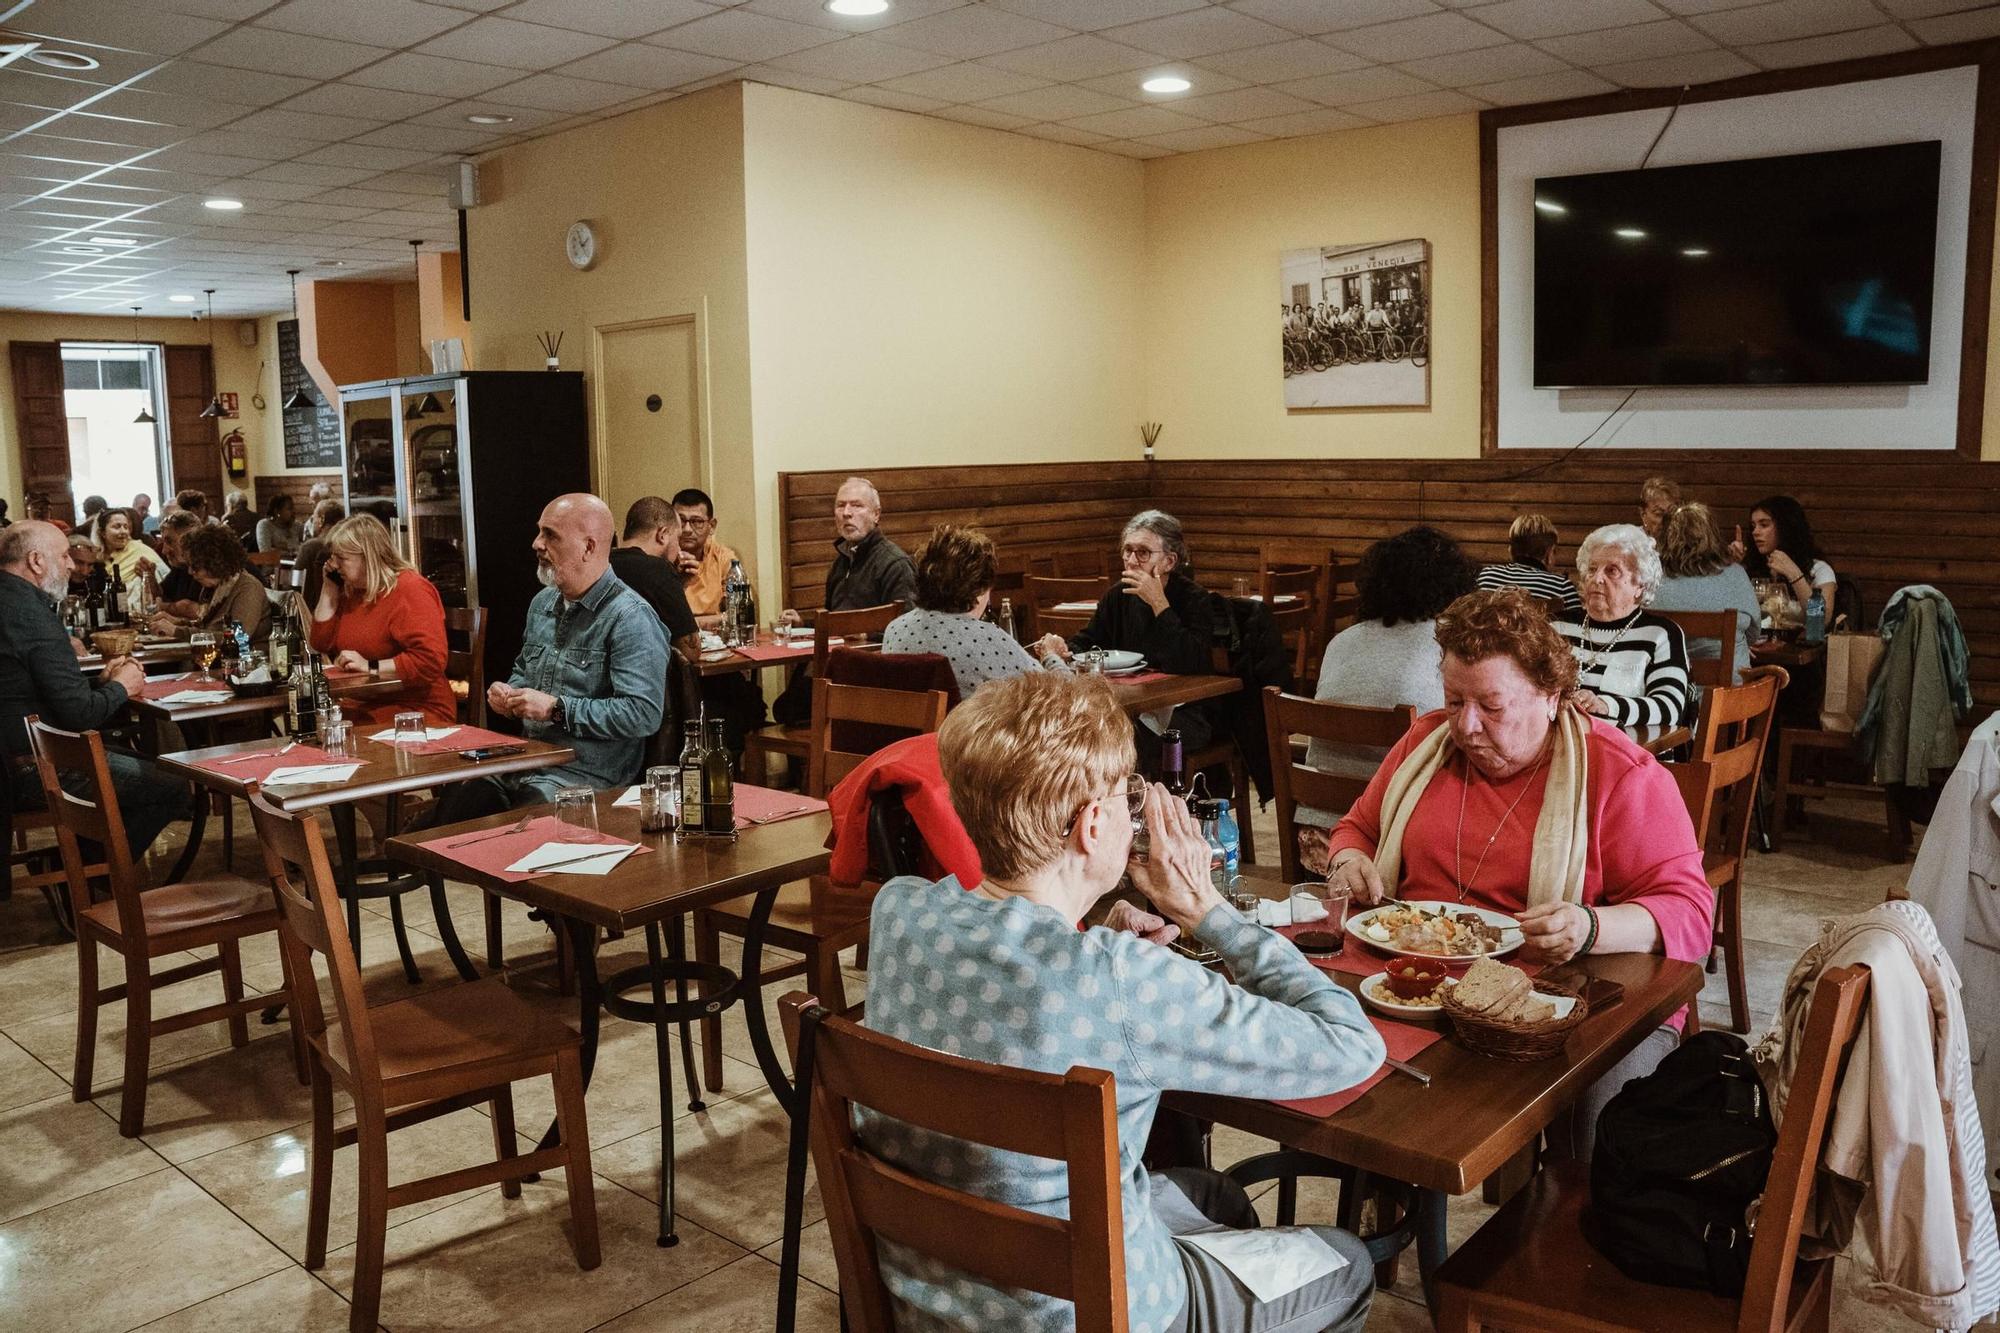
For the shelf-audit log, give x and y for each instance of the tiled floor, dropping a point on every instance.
(200, 1224)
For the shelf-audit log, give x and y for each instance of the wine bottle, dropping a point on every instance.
(93, 604)
(691, 808)
(1173, 764)
(322, 693)
(718, 788)
(114, 598)
(301, 717)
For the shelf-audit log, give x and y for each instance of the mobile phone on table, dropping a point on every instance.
(478, 753)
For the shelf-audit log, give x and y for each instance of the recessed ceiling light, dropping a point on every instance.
(1549, 206)
(1696, 252)
(1629, 233)
(1167, 83)
(115, 240)
(68, 60)
(222, 205)
(83, 249)
(181, 297)
(489, 118)
(856, 9)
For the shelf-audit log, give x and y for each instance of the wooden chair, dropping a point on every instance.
(1070, 1117)
(1529, 1266)
(1294, 784)
(1720, 789)
(1300, 622)
(264, 564)
(1084, 562)
(465, 667)
(1717, 627)
(796, 742)
(1044, 595)
(1343, 607)
(809, 919)
(139, 927)
(22, 813)
(1290, 556)
(411, 1061)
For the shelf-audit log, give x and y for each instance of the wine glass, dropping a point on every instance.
(202, 642)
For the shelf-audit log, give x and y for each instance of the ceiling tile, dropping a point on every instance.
(893, 101)
(1065, 102)
(371, 200)
(374, 156)
(352, 99)
(1097, 14)
(1317, 16)
(1132, 148)
(1669, 37)
(1414, 39)
(305, 125)
(964, 82)
(195, 161)
(236, 143)
(246, 188)
(412, 73)
(1198, 32)
(979, 115)
(323, 210)
(860, 60)
(1135, 121)
(1421, 106)
(33, 88)
(1543, 88)
(554, 92)
(1361, 85)
(1208, 136)
(1489, 64)
(639, 65)
(815, 13)
(1666, 71)
(166, 109)
(114, 135)
(525, 118)
(1923, 9)
(971, 31)
(1703, 6)
(310, 173)
(292, 53)
(623, 19)
(1085, 56)
(743, 37)
(1300, 58)
(407, 182)
(1876, 41)
(1971, 26)
(1324, 120)
(1787, 20)
(195, 78)
(1530, 19)
(429, 138)
(136, 27)
(502, 41)
(383, 22)
(1063, 134)
(229, 11)
(1242, 105)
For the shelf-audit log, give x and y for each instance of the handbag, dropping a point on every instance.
(1851, 660)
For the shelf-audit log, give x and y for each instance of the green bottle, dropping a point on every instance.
(691, 807)
(718, 788)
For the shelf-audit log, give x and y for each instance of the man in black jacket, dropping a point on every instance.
(39, 676)
(868, 569)
(643, 558)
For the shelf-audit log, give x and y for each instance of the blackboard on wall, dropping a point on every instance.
(312, 431)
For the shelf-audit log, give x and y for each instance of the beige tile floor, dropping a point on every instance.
(200, 1223)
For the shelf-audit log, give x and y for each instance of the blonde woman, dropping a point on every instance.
(1700, 577)
(123, 551)
(374, 613)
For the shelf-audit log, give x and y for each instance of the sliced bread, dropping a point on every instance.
(1492, 988)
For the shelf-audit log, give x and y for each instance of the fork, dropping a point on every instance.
(520, 826)
(286, 748)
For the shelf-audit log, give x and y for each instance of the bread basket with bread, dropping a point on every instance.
(1499, 1010)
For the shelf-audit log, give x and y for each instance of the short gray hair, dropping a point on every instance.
(1629, 540)
(874, 496)
(1168, 529)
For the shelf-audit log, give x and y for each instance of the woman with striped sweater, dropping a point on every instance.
(1632, 665)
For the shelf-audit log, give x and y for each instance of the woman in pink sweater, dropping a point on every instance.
(376, 613)
(1513, 799)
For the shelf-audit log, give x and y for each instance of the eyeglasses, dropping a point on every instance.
(1140, 552)
(1134, 792)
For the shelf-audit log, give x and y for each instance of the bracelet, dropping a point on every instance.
(1590, 940)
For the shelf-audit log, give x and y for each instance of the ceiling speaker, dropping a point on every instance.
(464, 186)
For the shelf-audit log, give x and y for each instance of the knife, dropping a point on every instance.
(1402, 1068)
(605, 849)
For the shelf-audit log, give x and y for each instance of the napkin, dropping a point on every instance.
(430, 734)
(1289, 911)
(193, 696)
(630, 798)
(1270, 1261)
(302, 774)
(550, 853)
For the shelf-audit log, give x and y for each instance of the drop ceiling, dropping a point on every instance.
(334, 122)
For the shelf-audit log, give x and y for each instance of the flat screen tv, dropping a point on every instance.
(1809, 269)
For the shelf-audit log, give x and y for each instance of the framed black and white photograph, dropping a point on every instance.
(1356, 325)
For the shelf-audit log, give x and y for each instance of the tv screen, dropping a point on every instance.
(1810, 269)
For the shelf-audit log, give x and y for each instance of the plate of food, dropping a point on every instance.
(1455, 932)
(1117, 660)
(1408, 988)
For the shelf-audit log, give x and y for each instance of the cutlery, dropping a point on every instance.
(601, 849)
(286, 748)
(1402, 1068)
(777, 815)
(520, 826)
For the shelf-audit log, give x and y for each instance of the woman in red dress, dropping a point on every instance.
(376, 613)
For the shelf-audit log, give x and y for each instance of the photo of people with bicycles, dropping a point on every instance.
(1356, 325)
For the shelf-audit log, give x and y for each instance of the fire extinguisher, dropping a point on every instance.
(235, 454)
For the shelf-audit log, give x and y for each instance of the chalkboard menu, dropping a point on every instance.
(312, 431)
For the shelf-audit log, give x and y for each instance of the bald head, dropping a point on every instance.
(573, 543)
(37, 552)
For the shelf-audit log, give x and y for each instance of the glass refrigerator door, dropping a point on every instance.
(369, 425)
(437, 534)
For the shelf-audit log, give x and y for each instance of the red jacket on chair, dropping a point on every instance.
(910, 769)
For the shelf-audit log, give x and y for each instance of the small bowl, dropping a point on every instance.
(1410, 978)
(115, 642)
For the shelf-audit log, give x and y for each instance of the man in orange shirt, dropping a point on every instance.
(704, 561)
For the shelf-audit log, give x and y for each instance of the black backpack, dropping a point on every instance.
(1681, 1155)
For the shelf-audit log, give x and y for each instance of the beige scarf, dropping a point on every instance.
(1562, 833)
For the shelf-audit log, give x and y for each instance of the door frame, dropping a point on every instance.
(695, 315)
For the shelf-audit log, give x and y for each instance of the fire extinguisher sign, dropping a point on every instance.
(229, 406)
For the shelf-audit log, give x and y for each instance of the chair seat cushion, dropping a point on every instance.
(479, 1022)
(194, 904)
(1531, 1259)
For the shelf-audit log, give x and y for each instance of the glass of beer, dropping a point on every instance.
(204, 653)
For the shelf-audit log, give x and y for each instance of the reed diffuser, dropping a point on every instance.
(551, 348)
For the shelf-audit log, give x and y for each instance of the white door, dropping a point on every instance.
(649, 424)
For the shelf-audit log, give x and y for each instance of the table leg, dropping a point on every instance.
(753, 1000)
(198, 736)
(663, 1058)
(1430, 1206)
(583, 947)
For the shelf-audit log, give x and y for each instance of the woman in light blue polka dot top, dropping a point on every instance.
(1039, 768)
(955, 573)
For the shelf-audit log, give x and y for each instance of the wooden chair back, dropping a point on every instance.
(1271, 554)
(264, 564)
(1046, 594)
(1300, 622)
(909, 712)
(1343, 605)
(1079, 562)
(1838, 1003)
(1734, 714)
(1715, 626)
(1069, 1117)
(90, 815)
(467, 665)
(1294, 784)
(309, 922)
(1729, 745)
(852, 626)
(1010, 574)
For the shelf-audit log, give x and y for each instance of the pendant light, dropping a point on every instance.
(298, 399)
(214, 408)
(145, 417)
(428, 405)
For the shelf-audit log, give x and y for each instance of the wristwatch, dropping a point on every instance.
(558, 715)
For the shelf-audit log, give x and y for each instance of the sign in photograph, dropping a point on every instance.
(312, 430)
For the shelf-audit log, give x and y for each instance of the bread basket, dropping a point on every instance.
(115, 642)
(1508, 1039)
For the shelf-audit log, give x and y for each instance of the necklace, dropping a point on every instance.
(1458, 840)
(1597, 655)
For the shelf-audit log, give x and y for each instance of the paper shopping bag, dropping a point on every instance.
(1851, 660)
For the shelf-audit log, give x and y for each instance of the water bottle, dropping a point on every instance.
(1231, 839)
(735, 597)
(1007, 617)
(1207, 810)
(1815, 617)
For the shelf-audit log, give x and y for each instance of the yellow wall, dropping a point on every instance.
(928, 292)
(440, 294)
(236, 371)
(1216, 223)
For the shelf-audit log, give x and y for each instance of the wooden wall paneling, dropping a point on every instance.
(42, 423)
(295, 484)
(197, 455)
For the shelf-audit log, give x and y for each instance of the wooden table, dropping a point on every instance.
(1788, 653)
(792, 653)
(1659, 740)
(1144, 696)
(158, 653)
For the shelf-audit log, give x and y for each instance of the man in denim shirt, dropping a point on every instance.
(592, 673)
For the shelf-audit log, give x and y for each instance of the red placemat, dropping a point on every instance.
(494, 852)
(463, 738)
(781, 652)
(256, 770)
(762, 803)
(159, 687)
(1140, 678)
(1404, 1040)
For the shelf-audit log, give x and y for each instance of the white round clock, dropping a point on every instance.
(580, 244)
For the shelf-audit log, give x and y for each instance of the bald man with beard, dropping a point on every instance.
(592, 672)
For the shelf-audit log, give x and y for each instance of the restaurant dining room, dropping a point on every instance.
(706, 665)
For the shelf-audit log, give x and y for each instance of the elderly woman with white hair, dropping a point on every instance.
(1632, 665)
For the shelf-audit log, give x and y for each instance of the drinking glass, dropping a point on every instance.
(410, 728)
(660, 799)
(1333, 898)
(202, 644)
(1239, 586)
(576, 815)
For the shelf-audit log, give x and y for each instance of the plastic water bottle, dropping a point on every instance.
(1816, 617)
(735, 598)
(1231, 839)
(1208, 812)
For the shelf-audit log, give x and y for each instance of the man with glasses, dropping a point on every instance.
(703, 561)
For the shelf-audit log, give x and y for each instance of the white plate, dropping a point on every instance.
(1510, 932)
(1375, 993)
(1120, 660)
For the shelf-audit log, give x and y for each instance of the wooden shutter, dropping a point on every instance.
(43, 425)
(196, 446)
